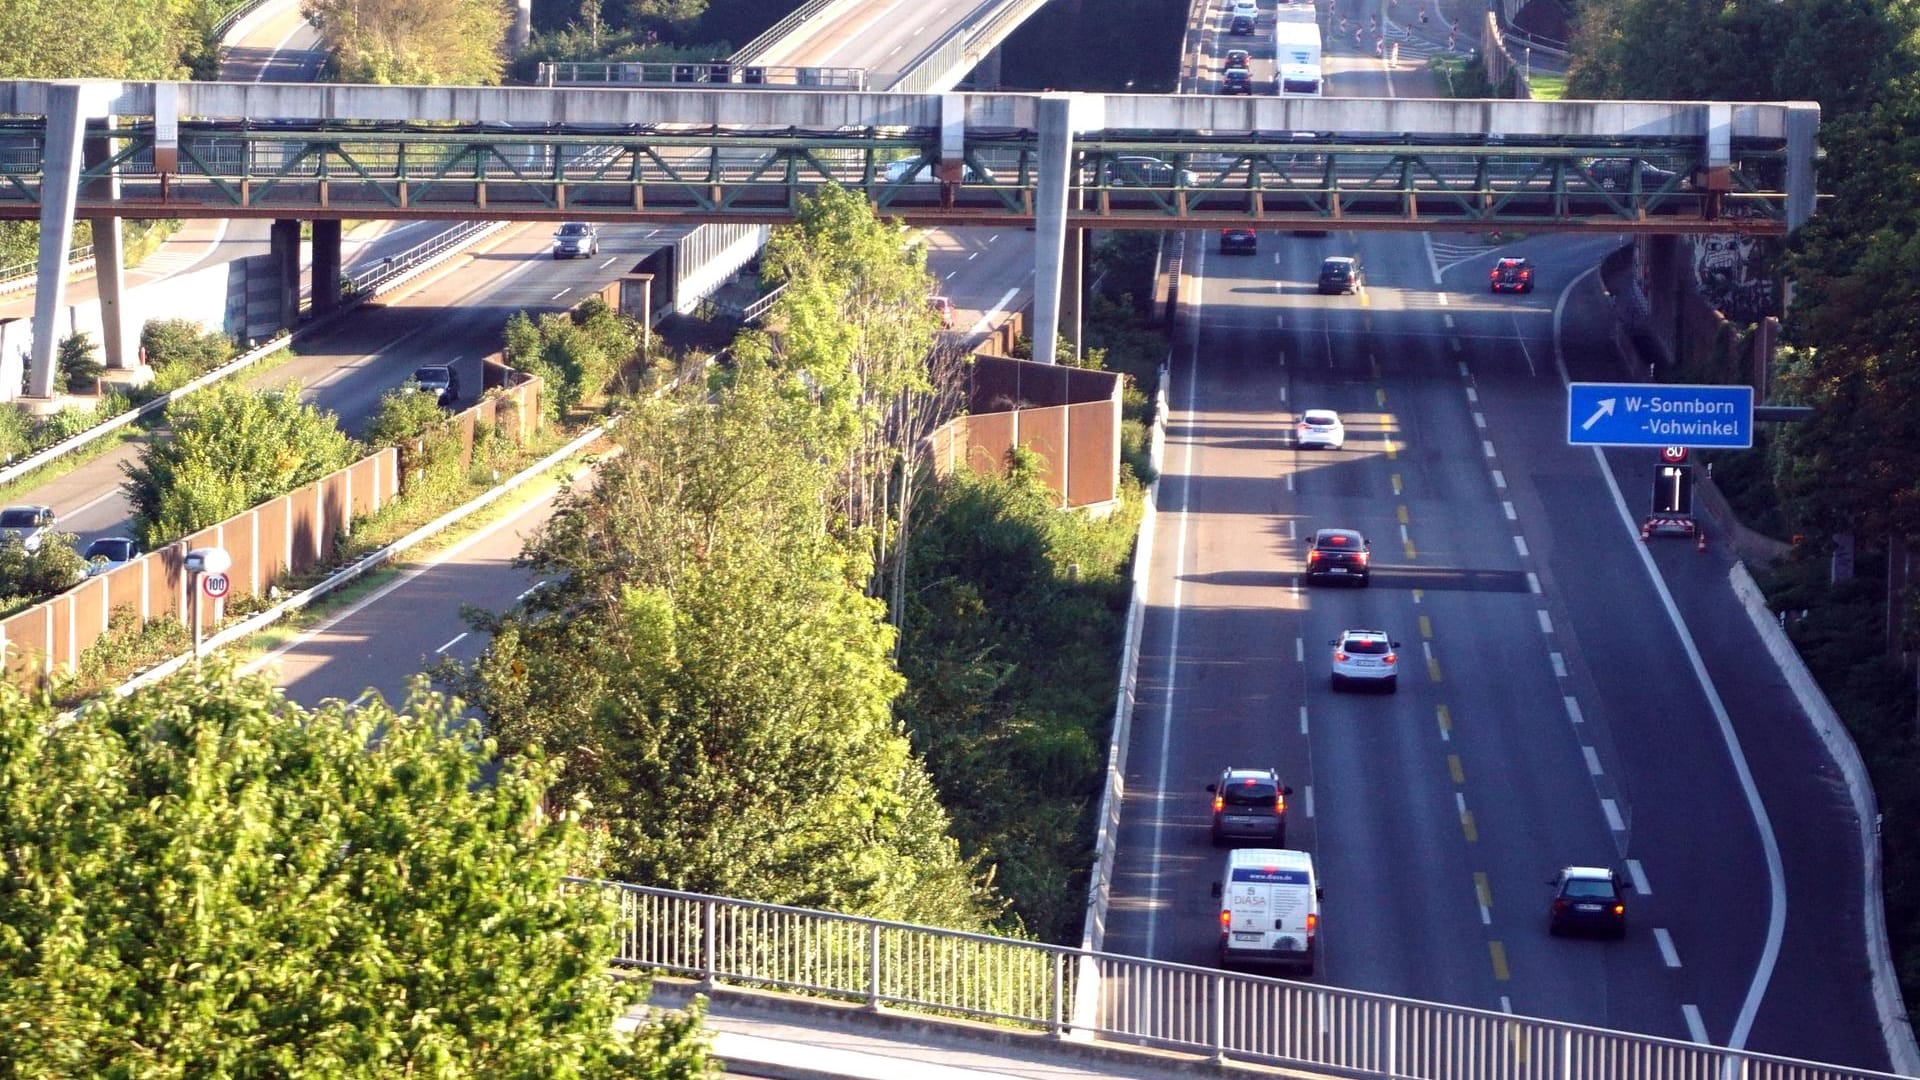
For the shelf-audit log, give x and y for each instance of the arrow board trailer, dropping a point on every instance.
(1269, 909)
(1660, 415)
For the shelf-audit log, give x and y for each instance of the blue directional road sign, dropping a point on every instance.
(1653, 414)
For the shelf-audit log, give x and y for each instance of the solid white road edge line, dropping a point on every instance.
(1769, 844)
(1179, 581)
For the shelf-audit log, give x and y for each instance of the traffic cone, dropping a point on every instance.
(1700, 540)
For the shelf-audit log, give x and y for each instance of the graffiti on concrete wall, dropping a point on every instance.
(1734, 273)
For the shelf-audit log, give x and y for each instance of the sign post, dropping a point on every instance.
(207, 568)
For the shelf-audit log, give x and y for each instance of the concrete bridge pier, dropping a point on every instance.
(326, 265)
(68, 105)
(1073, 285)
(283, 253)
(109, 275)
(1050, 221)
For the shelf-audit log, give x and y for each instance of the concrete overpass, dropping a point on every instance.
(1057, 161)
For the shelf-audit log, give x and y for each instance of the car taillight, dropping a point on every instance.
(1525, 274)
(1313, 924)
(1493, 275)
(1226, 918)
(1559, 905)
(1619, 909)
(1218, 803)
(1360, 557)
(1280, 803)
(1315, 556)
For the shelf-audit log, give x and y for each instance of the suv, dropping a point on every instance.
(576, 240)
(1588, 898)
(1239, 242)
(1339, 553)
(27, 524)
(1511, 275)
(1250, 804)
(439, 380)
(1237, 59)
(1365, 656)
(1236, 81)
(1340, 274)
(1242, 24)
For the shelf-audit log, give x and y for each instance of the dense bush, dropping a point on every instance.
(180, 350)
(1010, 645)
(576, 354)
(29, 576)
(78, 362)
(231, 450)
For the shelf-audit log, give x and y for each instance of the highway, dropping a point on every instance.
(1550, 711)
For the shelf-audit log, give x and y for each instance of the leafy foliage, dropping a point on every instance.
(204, 879)
(1009, 652)
(106, 39)
(709, 676)
(79, 364)
(180, 350)
(430, 42)
(231, 449)
(576, 354)
(404, 415)
(31, 576)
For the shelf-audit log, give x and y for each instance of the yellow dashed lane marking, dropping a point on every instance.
(1426, 627)
(1467, 826)
(1396, 483)
(1482, 889)
(1392, 450)
(1433, 670)
(1412, 552)
(1401, 513)
(1499, 952)
(1454, 770)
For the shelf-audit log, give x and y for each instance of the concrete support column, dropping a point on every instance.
(1073, 284)
(108, 272)
(60, 188)
(1050, 220)
(283, 252)
(1803, 124)
(522, 32)
(326, 264)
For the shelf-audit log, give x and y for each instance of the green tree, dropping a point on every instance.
(104, 39)
(185, 343)
(404, 415)
(231, 449)
(204, 879)
(50, 568)
(711, 678)
(79, 363)
(430, 42)
(577, 354)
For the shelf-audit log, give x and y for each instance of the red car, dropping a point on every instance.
(1511, 275)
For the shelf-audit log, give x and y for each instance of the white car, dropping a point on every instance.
(27, 524)
(1319, 427)
(1365, 656)
(110, 553)
(1244, 7)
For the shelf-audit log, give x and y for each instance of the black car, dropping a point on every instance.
(1239, 242)
(1236, 81)
(1339, 553)
(1239, 59)
(1589, 899)
(1616, 174)
(1250, 805)
(1340, 274)
(1511, 275)
(439, 380)
(1242, 24)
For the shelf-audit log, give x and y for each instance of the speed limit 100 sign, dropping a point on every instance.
(214, 585)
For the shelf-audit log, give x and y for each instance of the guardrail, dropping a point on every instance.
(232, 18)
(785, 26)
(24, 275)
(706, 72)
(1235, 1019)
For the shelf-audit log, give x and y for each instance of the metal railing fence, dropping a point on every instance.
(752, 49)
(21, 275)
(1236, 1018)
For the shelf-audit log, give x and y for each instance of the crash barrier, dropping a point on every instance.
(1232, 1018)
(290, 535)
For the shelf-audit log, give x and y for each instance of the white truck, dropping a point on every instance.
(1269, 909)
(1297, 56)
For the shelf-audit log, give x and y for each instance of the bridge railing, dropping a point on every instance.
(1232, 1017)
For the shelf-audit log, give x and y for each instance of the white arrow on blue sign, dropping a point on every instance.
(1655, 414)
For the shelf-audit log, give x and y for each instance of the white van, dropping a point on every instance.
(1269, 908)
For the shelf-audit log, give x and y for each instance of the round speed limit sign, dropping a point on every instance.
(1673, 455)
(214, 585)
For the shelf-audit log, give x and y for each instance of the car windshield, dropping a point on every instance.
(1589, 889)
(1334, 269)
(18, 519)
(430, 376)
(1321, 419)
(111, 550)
(573, 230)
(1240, 793)
(1335, 540)
(1365, 646)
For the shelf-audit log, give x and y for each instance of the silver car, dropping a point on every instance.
(1250, 805)
(27, 524)
(110, 553)
(576, 240)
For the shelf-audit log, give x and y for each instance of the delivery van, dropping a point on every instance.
(1269, 909)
